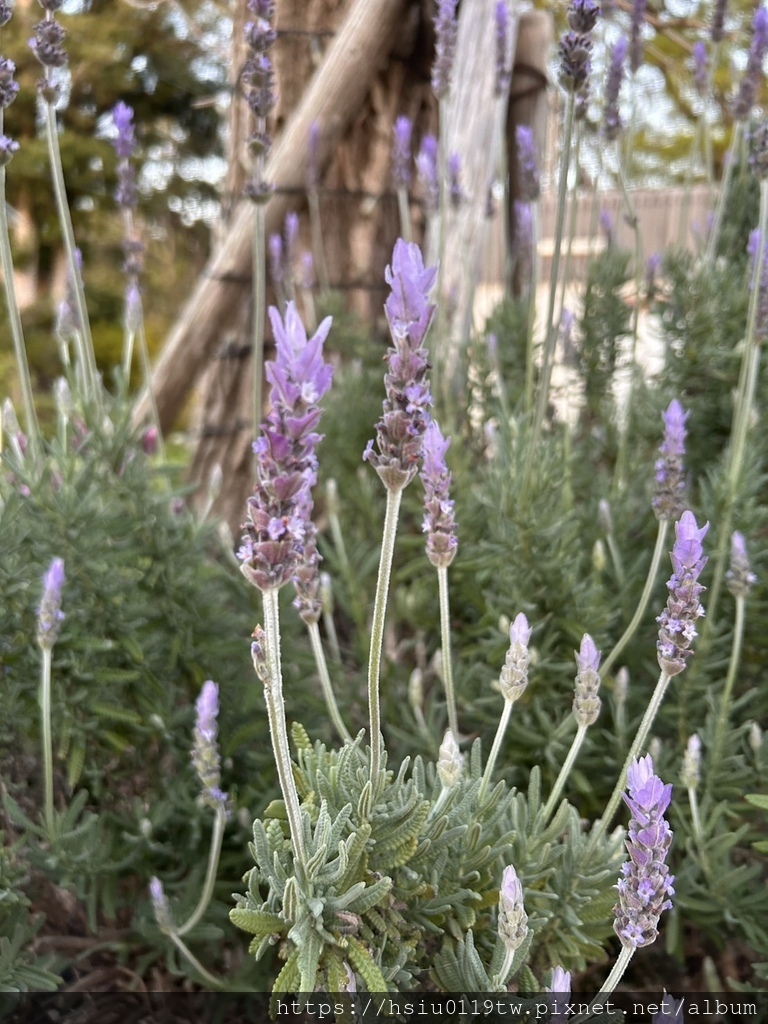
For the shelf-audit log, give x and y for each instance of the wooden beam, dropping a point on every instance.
(334, 95)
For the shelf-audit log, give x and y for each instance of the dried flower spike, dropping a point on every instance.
(645, 889)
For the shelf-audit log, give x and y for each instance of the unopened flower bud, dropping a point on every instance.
(690, 772)
(755, 737)
(599, 559)
(450, 761)
(586, 703)
(513, 920)
(514, 675)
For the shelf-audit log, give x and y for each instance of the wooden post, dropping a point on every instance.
(331, 100)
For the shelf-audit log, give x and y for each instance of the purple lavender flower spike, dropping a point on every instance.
(160, 905)
(401, 153)
(426, 165)
(645, 889)
(258, 83)
(445, 47)
(503, 75)
(669, 500)
(400, 431)
(717, 30)
(205, 749)
(612, 123)
(582, 16)
(439, 523)
(636, 34)
(701, 69)
(586, 703)
(9, 87)
(575, 63)
(677, 623)
(514, 675)
(560, 989)
(750, 82)
(527, 164)
(513, 920)
(49, 614)
(278, 529)
(740, 578)
(125, 142)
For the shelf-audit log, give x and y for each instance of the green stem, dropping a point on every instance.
(377, 629)
(725, 184)
(259, 312)
(86, 352)
(610, 983)
(192, 959)
(565, 771)
(45, 716)
(645, 597)
(634, 750)
(325, 680)
(14, 320)
(725, 699)
(210, 876)
(551, 324)
(445, 634)
(277, 727)
(495, 749)
(741, 417)
(499, 982)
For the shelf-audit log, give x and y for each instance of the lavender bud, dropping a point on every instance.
(586, 703)
(49, 613)
(259, 654)
(677, 623)
(599, 560)
(439, 523)
(750, 82)
(582, 16)
(612, 123)
(205, 750)
(647, 884)
(636, 34)
(275, 247)
(63, 398)
(739, 577)
(9, 87)
(7, 148)
(690, 772)
(503, 75)
(125, 141)
(527, 164)
(450, 761)
(701, 69)
(401, 153)
(306, 271)
(513, 920)
(446, 30)
(160, 906)
(400, 431)
(669, 499)
(574, 52)
(47, 44)
(416, 691)
(559, 986)
(717, 30)
(755, 738)
(604, 516)
(426, 166)
(621, 686)
(514, 675)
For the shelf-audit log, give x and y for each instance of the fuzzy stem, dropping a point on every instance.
(259, 312)
(725, 699)
(551, 325)
(405, 214)
(325, 680)
(210, 876)
(645, 597)
(741, 416)
(273, 692)
(714, 236)
(610, 983)
(45, 716)
(85, 346)
(618, 563)
(445, 634)
(637, 744)
(499, 982)
(377, 628)
(497, 741)
(565, 771)
(192, 959)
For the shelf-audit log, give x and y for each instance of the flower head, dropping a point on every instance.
(612, 123)
(513, 920)
(527, 164)
(669, 499)
(739, 577)
(205, 750)
(446, 30)
(645, 889)
(9, 87)
(160, 905)
(426, 165)
(560, 988)
(49, 614)
(677, 623)
(400, 431)
(670, 1011)
(278, 528)
(439, 523)
(450, 761)
(750, 82)
(514, 675)
(586, 703)
(700, 69)
(690, 772)
(401, 153)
